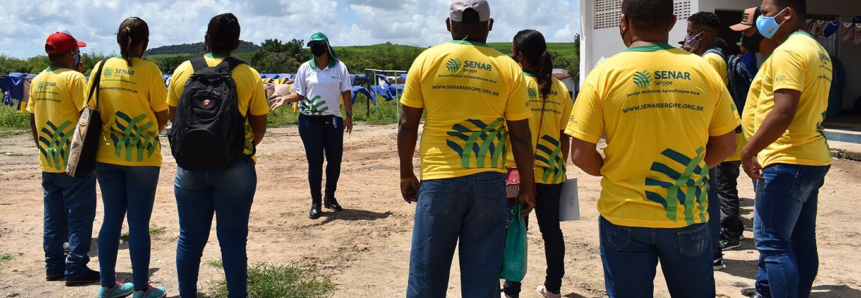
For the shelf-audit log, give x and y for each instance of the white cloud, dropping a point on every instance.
(27, 23)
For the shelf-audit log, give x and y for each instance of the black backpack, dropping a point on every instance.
(739, 78)
(209, 131)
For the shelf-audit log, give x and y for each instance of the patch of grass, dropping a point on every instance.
(124, 237)
(214, 263)
(266, 280)
(6, 257)
(10, 119)
(155, 231)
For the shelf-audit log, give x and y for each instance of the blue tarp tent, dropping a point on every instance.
(388, 92)
(404, 76)
(362, 90)
(358, 79)
(269, 76)
(14, 83)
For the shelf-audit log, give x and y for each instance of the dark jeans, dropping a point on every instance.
(465, 212)
(714, 212)
(547, 212)
(70, 205)
(630, 256)
(229, 195)
(730, 218)
(319, 139)
(126, 190)
(785, 229)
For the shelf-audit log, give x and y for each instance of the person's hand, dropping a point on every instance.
(527, 199)
(277, 103)
(410, 188)
(348, 124)
(752, 167)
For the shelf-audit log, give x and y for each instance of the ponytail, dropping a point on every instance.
(531, 44)
(544, 74)
(133, 32)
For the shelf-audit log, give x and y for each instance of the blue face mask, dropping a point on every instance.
(77, 59)
(767, 26)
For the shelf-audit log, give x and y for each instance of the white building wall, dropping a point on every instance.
(600, 44)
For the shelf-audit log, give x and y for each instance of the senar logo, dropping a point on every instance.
(107, 73)
(643, 79)
(533, 93)
(453, 65)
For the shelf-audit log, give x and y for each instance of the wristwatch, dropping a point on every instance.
(349, 113)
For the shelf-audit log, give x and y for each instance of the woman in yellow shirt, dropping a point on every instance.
(551, 106)
(131, 99)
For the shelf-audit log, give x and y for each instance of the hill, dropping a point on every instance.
(196, 49)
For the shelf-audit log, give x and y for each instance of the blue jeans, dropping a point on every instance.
(547, 212)
(320, 139)
(70, 206)
(714, 213)
(785, 229)
(126, 190)
(471, 210)
(199, 195)
(631, 255)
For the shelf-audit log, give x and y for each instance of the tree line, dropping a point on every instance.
(271, 56)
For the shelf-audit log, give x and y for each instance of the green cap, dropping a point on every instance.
(319, 36)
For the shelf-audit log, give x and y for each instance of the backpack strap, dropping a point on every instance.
(232, 63)
(198, 63)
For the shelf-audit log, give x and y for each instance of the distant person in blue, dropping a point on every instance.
(748, 58)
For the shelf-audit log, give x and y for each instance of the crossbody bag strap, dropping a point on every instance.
(94, 88)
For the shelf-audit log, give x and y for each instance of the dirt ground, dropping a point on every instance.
(365, 248)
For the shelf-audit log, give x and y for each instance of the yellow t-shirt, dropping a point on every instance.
(718, 63)
(468, 91)
(750, 103)
(249, 89)
(56, 101)
(799, 64)
(128, 100)
(549, 159)
(658, 106)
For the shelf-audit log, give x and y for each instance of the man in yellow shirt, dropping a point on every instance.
(56, 101)
(723, 195)
(474, 98)
(787, 153)
(667, 118)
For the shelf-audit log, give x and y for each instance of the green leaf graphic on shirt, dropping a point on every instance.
(107, 73)
(533, 93)
(453, 65)
(249, 145)
(55, 142)
(313, 106)
(478, 141)
(682, 189)
(137, 136)
(643, 79)
(550, 153)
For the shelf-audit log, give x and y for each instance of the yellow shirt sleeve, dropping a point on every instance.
(587, 117)
(412, 96)
(567, 105)
(78, 89)
(158, 91)
(725, 118)
(177, 83)
(32, 102)
(518, 100)
(259, 104)
(789, 70)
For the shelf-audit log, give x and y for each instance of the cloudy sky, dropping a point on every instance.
(25, 24)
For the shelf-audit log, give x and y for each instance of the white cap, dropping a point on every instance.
(455, 12)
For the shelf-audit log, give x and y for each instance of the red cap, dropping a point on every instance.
(62, 42)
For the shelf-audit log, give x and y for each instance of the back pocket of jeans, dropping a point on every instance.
(613, 236)
(693, 242)
(490, 198)
(437, 196)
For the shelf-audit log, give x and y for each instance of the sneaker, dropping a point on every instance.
(118, 290)
(541, 290)
(730, 244)
(89, 277)
(718, 263)
(750, 292)
(55, 277)
(151, 292)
